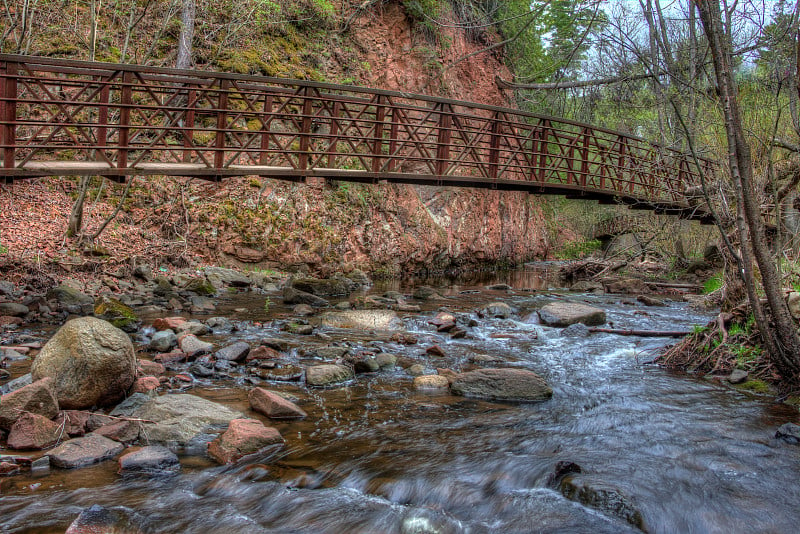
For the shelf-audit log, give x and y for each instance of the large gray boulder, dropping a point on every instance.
(13, 309)
(502, 384)
(91, 361)
(567, 313)
(361, 319)
(177, 418)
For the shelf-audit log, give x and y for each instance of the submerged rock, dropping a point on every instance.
(322, 287)
(98, 519)
(502, 385)
(601, 496)
(92, 362)
(292, 295)
(789, 432)
(431, 382)
(567, 313)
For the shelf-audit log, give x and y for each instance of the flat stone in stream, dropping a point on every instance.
(88, 450)
(567, 313)
(361, 319)
(789, 432)
(517, 385)
(234, 353)
(151, 460)
(178, 418)
(97, 519)
(292, 295)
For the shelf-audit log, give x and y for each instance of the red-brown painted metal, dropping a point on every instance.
(64, 117)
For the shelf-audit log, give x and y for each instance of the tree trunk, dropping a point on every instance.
(184, 60)
(781, 337)
(75, 223)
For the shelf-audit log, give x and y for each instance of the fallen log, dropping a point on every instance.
(641, 333)
(672, 285)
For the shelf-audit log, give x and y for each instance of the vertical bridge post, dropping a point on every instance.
(126, 98)
(443, 138)
(8, 110)
(222, 122)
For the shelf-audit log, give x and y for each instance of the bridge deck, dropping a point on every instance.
(62, 117)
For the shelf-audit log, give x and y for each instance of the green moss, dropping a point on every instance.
(755, 386)
(116, 313)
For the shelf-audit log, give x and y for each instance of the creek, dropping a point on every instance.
(376, 456)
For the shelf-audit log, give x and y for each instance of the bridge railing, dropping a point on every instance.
(75, 117)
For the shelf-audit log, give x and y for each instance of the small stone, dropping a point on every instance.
(263, 353)
(193, 346)
(8, 469)
(567, 313)
(386, 360)
(74, 422)
(168, 323)
(99, 519)
(273, 405)
(431, 382)
(148, 368)
(416, 370)
(163, 341)
(499, 287)
(425, 293)
(40, 466)
(789, 432)
(435, 350)
(327, 374)
(38, 397)
(122, 431)
(647, 300)
(499, 310)
(235, 353)
(145, 384)
(303, 310)
(13, 309)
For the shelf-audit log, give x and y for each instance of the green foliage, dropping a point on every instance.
(714, 283)
(756, 386)
(697, 329)
(579, 249)
(267, 303)
(3, 249)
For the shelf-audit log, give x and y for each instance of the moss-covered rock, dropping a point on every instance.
(756, 386)
(201, 286)
(116, 313)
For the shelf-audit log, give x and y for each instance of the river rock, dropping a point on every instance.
(789, 432)
(168, 323)
(626, 285)
(98, 519)
(33, 431)
(361, 319)
(502, 385)
(80, 452)
(567, 313)
(499, 310)
(236, 352)
(293, 295)
(200, 286)
(221, 277)
(92, 362)
(425, 293)
(151, 460)
(601, 496)
(193, 346)
(327, 374)
(587, 286)
(178, 418)
(243, 437)
(386, 360)
(431, 382)
(13, 309)
(273, 405)
(38, 397)
(163, 341)
(120, 430)
(737, 376)
(576, 330)
(322, 287)
(67, 295)
(362, 363)
(194, 328)
(73, 421)
(647, 300)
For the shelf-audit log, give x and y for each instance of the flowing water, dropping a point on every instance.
(376, 456)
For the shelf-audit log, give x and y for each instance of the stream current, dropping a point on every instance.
(376, 456)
